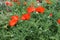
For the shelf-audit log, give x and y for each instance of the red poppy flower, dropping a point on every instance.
(30, 9)
(15, 17)
(51, 15)
(25, 17)
(58, 21)
(12, 22)
(40, 9)
(8, 3)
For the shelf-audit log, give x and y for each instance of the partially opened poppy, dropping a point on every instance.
(48, 1)
(51, 15)
(58, 21)
(30, 9)
(15, 0)
(12, 22)
(18, 3)
(38, 0)
(25, 3)
(8, 3)
(25, 17)
(40, 9)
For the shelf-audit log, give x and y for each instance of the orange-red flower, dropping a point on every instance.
(30, 9)
(51, 15)
(40, 9)
(8, 3)
(12, 22)
(58, 21)
(25, 17)
(15, 17)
